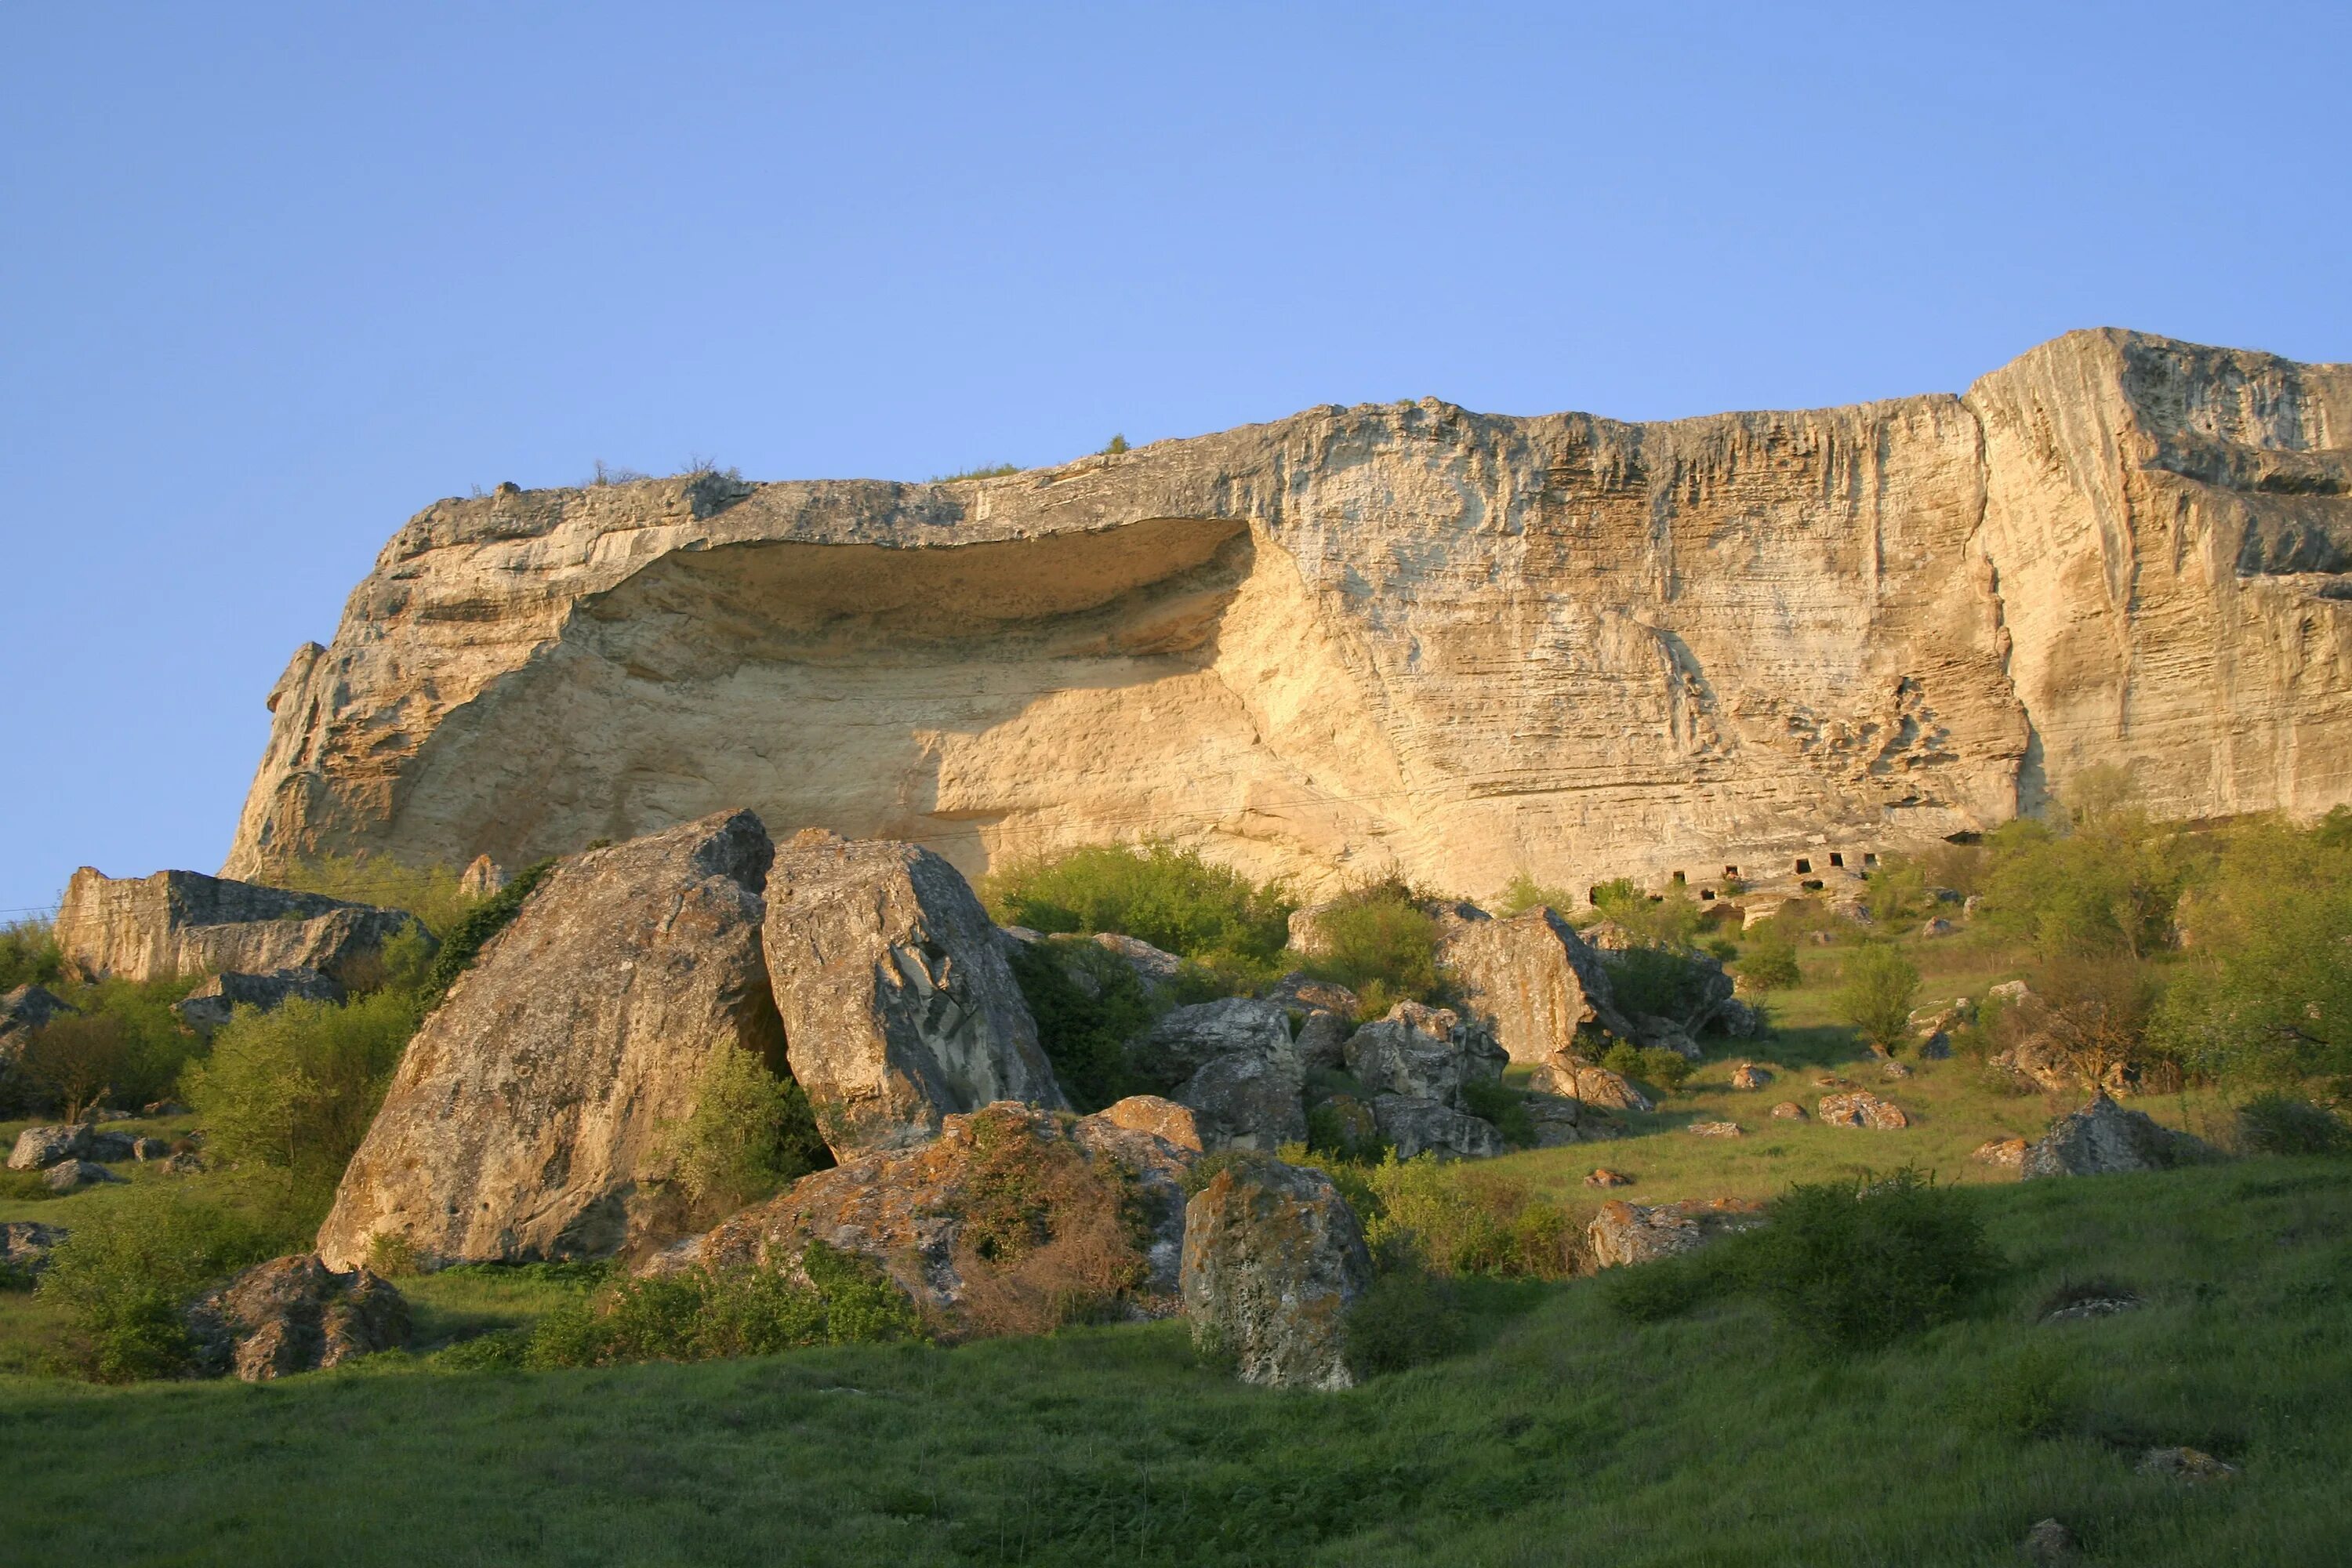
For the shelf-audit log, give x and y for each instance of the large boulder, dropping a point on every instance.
(530, 1115)
(1418, 1126)
(1535, 982)
(1860, 1108)
(294, 1314)
(71, 1176)
(899, 1007)
(1623, 1233)
(1149, 1113)
(184, 922)
(39, 1148)
(1186, 1039)
(1011, 1221)
(1604, 1088)
(1249, 1100)
(1272, 1260)
(1423, 1053)
(211, 1005)
(2104, 1138)
(1156, 967)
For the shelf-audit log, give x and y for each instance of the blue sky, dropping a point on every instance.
(275, 277)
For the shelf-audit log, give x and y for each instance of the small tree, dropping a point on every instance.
(72, 1063)
(1880, 987)
(752, 1134)
(1770, 961)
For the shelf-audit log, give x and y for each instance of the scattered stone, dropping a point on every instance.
(1414, 1125)
(184, 922)
(1748, 1076)
(1602, 1176)
(294, 1314)
(1940, 926)
(1273, 1258)
(2003, 1152)
(2038, 1063)
(1860, 1108)
(2047, 1541)
(1972, 903)
(1623, 1233)
(897, 1006)
(997, 1226)
(1160, 1118)
(39, 1148)
(1714, 1130)
(526, 1119)
(69, 1175)
(2090, 1306)
(1893, 1070)
(1423, 1053)
(185, 1163)
(1599, 1087)
(146, 1149)
(211, 1005)
(1531, 979)
(1830, 1081)
(158, 1110)
(1790, 1110)
(2104, 1138)
(2010, 991)
(2194, 1465)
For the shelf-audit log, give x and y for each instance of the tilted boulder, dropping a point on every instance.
(899, 1007)
(211, 1005)
(2104, 1138)
(294, 1314)
(1273, 1258)
(1249, 1100)
(1532, 980)
(1600, 1087)
(1423, 1053)
(39, 1148)
(25, 1012)
(1860, 1108)
(1623, 1233)
(1187, 1039)
(529, 1117)
(1002, 1224)
(184, 922)
(1414, 1125)
(67, 1175)
(1155, 967)
(1323, 1038)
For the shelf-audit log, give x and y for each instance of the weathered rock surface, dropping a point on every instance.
(1790, 1110)
(1162, 1119)
(898, 1008)
(39, 1148)
(212, 1003)
(184, 922)
(526, 1118)
(1273, 1258)
(1302, 992)
(999, 1225)
(1747, 1075)
(1595, 1085)
(1532, 981)
(2003, 1153)
(1249, 1101)
(67, 1175)
(1408, 635)
(23, 1012)
(1715, 1129)
(1323, 1038)
(1860, 1108)
(25, 1246)
(1416, 1125)
(294, 1314)
(1623, 1233)
(1187, 1039)
(1423, 1053)
(1156, 967)
(2104, 1138)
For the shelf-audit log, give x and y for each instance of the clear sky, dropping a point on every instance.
(272, 278)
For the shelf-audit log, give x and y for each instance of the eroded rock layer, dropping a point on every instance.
(1399, 637)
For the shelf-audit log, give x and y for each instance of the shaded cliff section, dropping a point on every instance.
(1399, 637)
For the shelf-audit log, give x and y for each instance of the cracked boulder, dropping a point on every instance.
(1273, 1258)
(294, 1314)
(1532, 980)
(1423, 1053)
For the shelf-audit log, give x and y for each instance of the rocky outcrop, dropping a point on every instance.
(529, 1116)
(24, 1013)
(1272, 1260)
(1860, 1108)
(1404, 635)
(39, 1148)
(1012, 1219)
(214, 1003)
(898, 1008)
(2104, 1138)
(1414, 1125)
(184, 922)
(1581, 1080)
(1623, 1233)
(1423, 1053)
(1248, 1100)
(294, 1314)
(25, 1246)
(1163, 1119)
(1532, 981)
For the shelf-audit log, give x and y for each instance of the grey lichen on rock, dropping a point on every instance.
(1273, 1258)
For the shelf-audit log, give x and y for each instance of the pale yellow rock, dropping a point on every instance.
(1385, 639)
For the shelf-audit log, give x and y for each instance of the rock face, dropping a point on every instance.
(294, 1314)
(1423, 1053)
(1162, 1119)
(999, 1225)
(25, 1246)
(1623, 1233)
(1860, 1108)
(1273, 1258)
(1420, 1126)
(211, 1005)
(183, 923)
(897, 1006)
(24, 1012)
(39, 1148)
(526, 1118)
(1578, 1079)
(1407, 635)
(1532, 981)
(1249, 1101)
(2103, 1139)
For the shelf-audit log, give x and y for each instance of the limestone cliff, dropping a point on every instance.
(1402, 636)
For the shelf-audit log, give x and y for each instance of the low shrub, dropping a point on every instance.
(1379, 942)
(1523, 893)
(1405, 1319)
(29, 955)
(2030, 1394)
(1879, 989)
(125, 1044)
(1460, 1219)
(1667, 1287)
(128, 1266)
(1089, 1006)
(1657, 1066)
(295, 1087)
(1856, 1265)
(1662, 982)
(701, 1316)
(751, 1136)
(1168, 897)
(1506, 1107)
(1770, 961)
(2289, 1124)
(1668, 920)
(431, 893)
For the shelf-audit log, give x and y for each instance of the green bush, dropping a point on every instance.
(126, 1045)
(1506, 1107)
(1667, 1287)
(1523, 893)
(2289, 1124)
(1669, 920)
(128, 1266)
(29, 955)
(1090, 1006)
(751, 1136)
(1881, 987)
(1857, 1265)
(1452, 1219)
(1662, 982)
(1659, 1065)
(1168, 897)
(295, 1087)
(464, 940)
(2105, 880)
(431, 893)
(1381, 944)
(1405, 1320)
(1770, 961)
(700, 1316)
